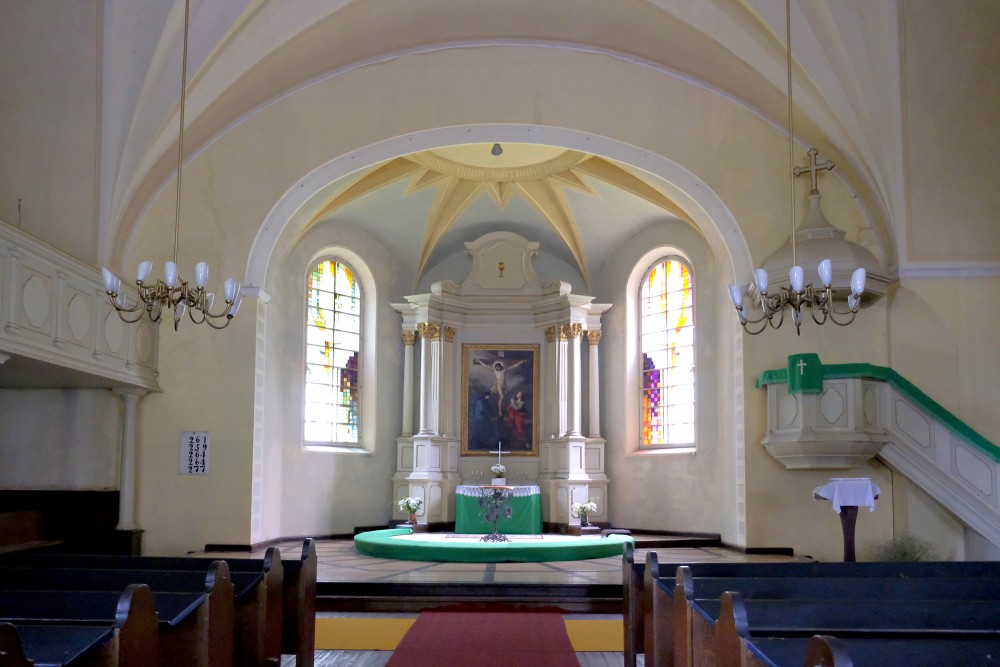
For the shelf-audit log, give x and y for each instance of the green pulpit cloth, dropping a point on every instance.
(805, 374)
(525, 519)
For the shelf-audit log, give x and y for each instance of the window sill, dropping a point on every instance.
(660, 451)
(336, 449)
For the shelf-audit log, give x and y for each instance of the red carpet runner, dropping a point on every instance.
(485, 639)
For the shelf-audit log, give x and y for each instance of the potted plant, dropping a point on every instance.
(584, 510)
(499, 471)
(411, 506)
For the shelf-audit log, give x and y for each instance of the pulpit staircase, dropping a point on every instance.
(863, 410)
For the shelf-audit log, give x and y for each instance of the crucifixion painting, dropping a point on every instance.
(500, 398)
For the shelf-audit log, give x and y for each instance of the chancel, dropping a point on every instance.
(481, 233)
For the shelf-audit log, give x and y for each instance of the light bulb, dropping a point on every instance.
(179, 311)
(170, 274)
(736, 294)
(796, 277)
(826, 272)
(201, 274)
(760, 276)
(229, 287)
(858, 281)
(109, 281)
(143, 271)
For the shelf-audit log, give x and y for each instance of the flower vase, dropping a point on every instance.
(413, 518)
(498, 481)
(584, 520)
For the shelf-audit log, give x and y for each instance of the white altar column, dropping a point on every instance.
(594, 385)
(409, 338)
(126, 491)
(572, 333)
(447, 424)
(430, 374)
(550, 379)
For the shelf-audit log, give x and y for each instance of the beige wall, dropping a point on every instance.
(933, 331)
(49, 134)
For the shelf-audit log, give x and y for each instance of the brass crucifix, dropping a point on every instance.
(813, 167)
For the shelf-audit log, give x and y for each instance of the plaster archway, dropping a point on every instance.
(722, 232)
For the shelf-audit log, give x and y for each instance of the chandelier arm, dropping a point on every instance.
(824, 311)
(763, 325)
(224, 313)
(781, 319)
(225, 323)
(852, 314)
(121, 316)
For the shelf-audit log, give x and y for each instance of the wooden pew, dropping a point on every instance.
(738, 643)
(129, 640)
(277, 616)
(632, 615)
(637, 583)
(195, 628)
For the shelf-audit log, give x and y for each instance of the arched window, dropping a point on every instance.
(334, 304)
(666, 349)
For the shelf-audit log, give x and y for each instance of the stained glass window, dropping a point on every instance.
(667, 352)
(333, 352)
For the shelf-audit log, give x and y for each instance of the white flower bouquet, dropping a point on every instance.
(584, 509)
(410, 505)
(498, 470)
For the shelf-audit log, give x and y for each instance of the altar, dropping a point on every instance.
(525, 518)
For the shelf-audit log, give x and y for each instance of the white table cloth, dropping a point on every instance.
(841, 491)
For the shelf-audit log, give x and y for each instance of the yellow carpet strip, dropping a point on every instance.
(384, 634)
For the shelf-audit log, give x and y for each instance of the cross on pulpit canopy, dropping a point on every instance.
(802, 366)
(814, 166)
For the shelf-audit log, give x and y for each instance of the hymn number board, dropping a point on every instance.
(194, 453)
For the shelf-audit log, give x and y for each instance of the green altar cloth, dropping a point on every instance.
(525, 519)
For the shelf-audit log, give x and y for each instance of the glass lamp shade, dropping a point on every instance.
(760, 277)
(143, 271)
(826, 272)
(201, 274)
(179, 311)
(109, 281)
(797, 277)
(736, 294)
(170, 274)
(858, 281)
(230, 287)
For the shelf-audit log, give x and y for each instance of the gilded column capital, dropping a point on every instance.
(594, 337)
(570, 331)
(429, 330)
(409, 337)
(449, 334)
(550, 334)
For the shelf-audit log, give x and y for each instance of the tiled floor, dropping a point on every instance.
(338, 561)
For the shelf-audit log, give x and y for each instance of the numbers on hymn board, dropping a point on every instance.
(194, 453)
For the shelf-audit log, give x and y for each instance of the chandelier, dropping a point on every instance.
(818, 301)
(172, 292)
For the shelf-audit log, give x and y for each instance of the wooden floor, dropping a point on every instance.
(338, 561)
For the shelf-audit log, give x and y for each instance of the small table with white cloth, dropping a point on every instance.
(526, 511)
(846, 494)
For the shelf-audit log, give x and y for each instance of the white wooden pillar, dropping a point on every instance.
(594, 385)
(126, 493)
(571, 334)
(409, 338)
(447, 424)
(430, 374)
(550, 381)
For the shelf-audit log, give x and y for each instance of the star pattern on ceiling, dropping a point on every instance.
(459, 175)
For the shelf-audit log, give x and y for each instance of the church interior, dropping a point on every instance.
(463, 233)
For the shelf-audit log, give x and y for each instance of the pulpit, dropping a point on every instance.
(525, 517)
(846, 494)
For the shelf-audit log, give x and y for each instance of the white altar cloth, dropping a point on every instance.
(841, 491)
